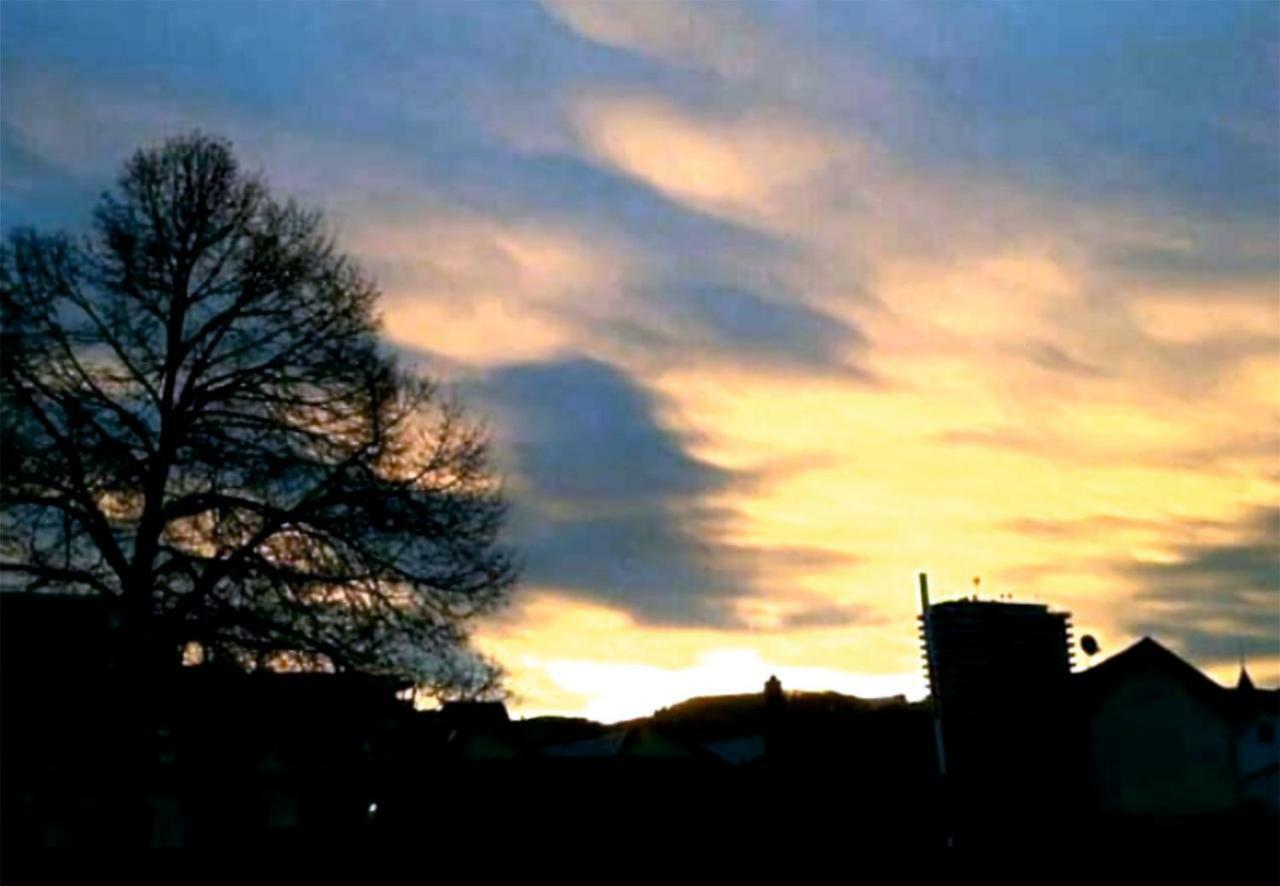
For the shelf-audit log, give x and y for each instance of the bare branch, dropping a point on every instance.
(199, 418)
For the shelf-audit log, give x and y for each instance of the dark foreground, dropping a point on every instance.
(609, 848)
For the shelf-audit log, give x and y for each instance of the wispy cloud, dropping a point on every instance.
(1216, 601)
(770, 305)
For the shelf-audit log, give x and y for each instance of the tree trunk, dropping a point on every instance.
(143, 694)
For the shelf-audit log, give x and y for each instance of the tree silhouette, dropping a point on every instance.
(200, 423)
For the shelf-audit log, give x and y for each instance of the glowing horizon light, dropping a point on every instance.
(621, 690)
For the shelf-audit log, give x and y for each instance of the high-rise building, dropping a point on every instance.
(984, 652)
(999, 679)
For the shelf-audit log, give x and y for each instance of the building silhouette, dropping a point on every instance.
(1141, 764)
(988, 651)
(227, 757)
(999, 675)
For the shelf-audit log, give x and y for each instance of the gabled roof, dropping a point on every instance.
(652, 743)
(736, 751)
(607, 745)
(1146, 655)
(643, 741)
(1240, 703)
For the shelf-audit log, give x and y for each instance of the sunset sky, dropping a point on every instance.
(771, 306)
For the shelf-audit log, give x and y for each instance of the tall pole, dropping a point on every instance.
(931, 658)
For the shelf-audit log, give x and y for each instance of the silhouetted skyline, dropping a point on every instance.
(1140, 766)
(771, 306)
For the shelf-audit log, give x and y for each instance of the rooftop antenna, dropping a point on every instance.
(977, 583)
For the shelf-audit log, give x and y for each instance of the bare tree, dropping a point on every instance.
(200, 422)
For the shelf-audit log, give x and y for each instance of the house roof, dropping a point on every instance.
(1253, 702)
(644, 741)
(736, 751)
(1147, 654)
(607, 745)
